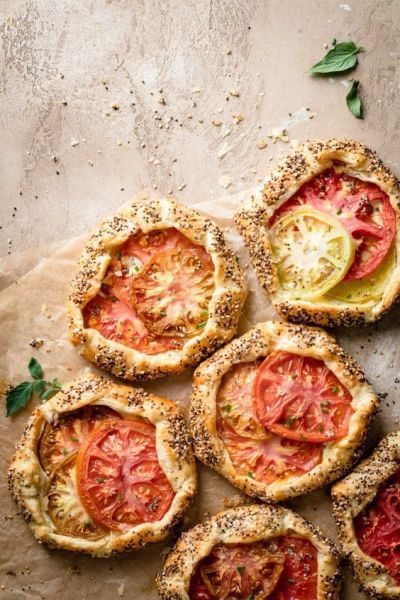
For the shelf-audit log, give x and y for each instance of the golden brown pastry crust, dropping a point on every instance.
(350, 496)
(253, 215)
(264, 338)
(224, 308)
(245, 525)
(27, 480)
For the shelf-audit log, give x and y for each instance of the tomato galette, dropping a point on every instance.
(103, 468)
(280, 411)
(323, 234)
(157, 290)
(252, 553)
(366, 507)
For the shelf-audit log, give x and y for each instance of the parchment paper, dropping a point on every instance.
(34, 288)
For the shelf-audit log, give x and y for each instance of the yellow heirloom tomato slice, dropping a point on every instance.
(313, 252)
(368, 289)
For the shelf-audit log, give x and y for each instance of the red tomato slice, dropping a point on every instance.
(120, 481)
(237, 571)
(377, 527)
(117, 321)
(362, 207)
(299, 398)
(172, 292)
(299, 580)
(235, 400)
(62, 440)
(270, 458)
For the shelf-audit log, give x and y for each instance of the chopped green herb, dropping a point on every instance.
(119, 255)
(303, 438)
(339, 211)
(289, 422)
(250, 474)
(228, 407)
(325, 407)
(201, 324)
(321, 428)
(291, 580)
(163, 313)
(113, 299)
(73, 438)
(65, 451)
(100, 479)
(240, 569)
(137, 268)
(87, 523)
(334, 389)
(334, 42)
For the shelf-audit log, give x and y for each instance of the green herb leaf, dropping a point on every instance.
(201, 325)
(35, 369)
(49, 393)
(334, 389)
(18, 397)
(240, 569)
(228, 407)
(342, 57)
(39, 387)
(251, 597)
(354, 101)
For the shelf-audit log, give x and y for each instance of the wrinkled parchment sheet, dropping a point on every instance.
(33, 290)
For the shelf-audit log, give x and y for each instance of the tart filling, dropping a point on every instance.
(377, 527)
(103, 473)
(155, 292)
(334, 239)
(282, 568)
(275, 415)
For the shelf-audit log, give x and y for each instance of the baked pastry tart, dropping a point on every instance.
(157, 290)
(252, 553)
(103, 468)
(280, 411)
(366, 507)
(323, 234)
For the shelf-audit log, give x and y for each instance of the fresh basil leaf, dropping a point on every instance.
(35, 369)
(18, 397)
(39, 387)
(49, 393)
(354, 101)
(342, 57)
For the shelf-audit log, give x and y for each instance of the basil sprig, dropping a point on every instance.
(342, 57)
(19, 396)
(354, 101)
